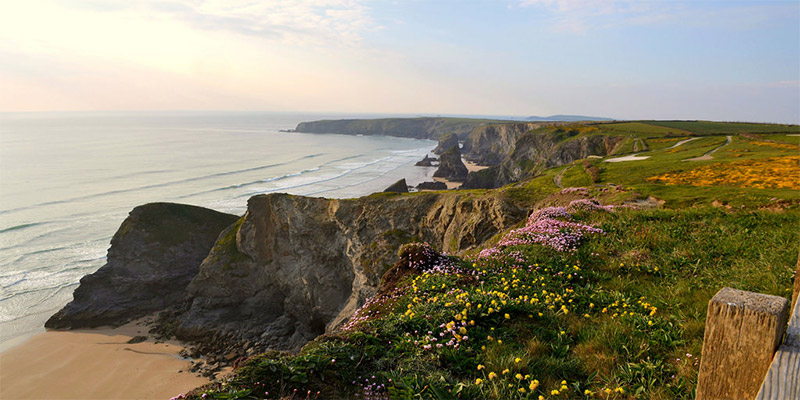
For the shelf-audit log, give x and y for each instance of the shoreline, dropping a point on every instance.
(471, 167)
(95, 364)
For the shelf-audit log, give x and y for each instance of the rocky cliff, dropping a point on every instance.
(446, 142)
(295, 267)
(534, 152)
(418, 128)
(489, 144)
(153, 257)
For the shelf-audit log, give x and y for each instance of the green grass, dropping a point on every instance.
(642, 129)
(635, 298)
(784, 138)
(722, 128)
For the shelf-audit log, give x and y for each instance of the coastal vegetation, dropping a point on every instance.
(601, 293)
(619, 315)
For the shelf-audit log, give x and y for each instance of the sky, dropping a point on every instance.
(714, 60)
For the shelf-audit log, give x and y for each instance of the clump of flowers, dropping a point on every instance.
(423, 258)
(580, 190)
(546, 227)
(370, 310)
(371, 389)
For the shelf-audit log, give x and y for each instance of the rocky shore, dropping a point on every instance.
(292, 268)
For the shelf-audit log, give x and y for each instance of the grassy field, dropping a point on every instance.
(751, 169)
(722, 128)
(583, 301)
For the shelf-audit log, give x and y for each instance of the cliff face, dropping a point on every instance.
(489, 144)
(295, 267)
(535, 152)
(153, 257)
(418, 128)
(446, 142)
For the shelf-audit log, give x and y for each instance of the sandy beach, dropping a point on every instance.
(471, 167)
(95, 364)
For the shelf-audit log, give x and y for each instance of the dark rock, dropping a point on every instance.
(425, 162)
(446, 142)
(398, 187)
(451, 167)
(432, 186)
(153, 256)
(137, 339)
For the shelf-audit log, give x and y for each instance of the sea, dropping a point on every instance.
(68, 180)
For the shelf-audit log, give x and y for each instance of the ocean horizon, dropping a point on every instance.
(68, 180)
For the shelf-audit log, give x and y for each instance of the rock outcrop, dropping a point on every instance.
(432, 186)
(451, 167)
(426, 162)
(446, 142)
(295, 267)
(419, 128)
(398, 187)
(536, 151)
(153, 256)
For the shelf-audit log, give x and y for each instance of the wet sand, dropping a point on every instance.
(94, 364)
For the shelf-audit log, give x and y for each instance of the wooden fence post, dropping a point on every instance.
(742, 331)
(796, 290)
(783, 378)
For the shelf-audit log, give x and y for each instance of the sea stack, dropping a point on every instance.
(451, 167)
(398, 187)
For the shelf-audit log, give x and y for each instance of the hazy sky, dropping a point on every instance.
(719, 60)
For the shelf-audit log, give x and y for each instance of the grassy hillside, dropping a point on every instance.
(582, 302)
(620, 317)
(751, 169)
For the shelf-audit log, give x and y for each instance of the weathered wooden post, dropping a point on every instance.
(742, 331)
(783, 378)
(796, 290)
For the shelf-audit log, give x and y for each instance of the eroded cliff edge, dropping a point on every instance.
(295, 267)
(153, 256)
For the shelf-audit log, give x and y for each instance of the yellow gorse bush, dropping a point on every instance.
(772, 173)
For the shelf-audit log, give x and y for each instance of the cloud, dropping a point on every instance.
(582, 16)
(297, 22)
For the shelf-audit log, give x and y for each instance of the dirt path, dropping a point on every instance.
(681, 143)
(708, 156)
(631, 157)
(557, 178)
